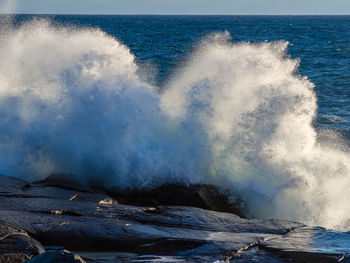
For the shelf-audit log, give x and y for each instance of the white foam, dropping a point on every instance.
(236, 115)
(71, 102)
(257, 114)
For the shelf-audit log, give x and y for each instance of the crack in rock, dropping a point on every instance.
(54, 226)
(243, 249)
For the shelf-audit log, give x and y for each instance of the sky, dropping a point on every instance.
(239, 7)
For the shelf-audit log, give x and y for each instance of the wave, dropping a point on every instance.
(237, 115)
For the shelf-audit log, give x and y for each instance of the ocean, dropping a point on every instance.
(258, 105)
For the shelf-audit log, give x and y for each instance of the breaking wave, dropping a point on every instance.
(237, 115)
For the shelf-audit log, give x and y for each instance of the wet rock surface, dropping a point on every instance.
(62, 256)
(98, 228)
(311, 244)
(16, 245)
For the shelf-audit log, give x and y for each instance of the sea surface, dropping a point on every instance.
(259, 105)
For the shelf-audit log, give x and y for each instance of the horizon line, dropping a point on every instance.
(161, 14)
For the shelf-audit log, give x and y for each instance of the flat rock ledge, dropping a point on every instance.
(48, 222)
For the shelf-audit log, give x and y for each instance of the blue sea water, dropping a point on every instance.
(322, 43)
(258, 105)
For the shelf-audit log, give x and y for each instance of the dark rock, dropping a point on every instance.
(93, 233)
(63, 181)
(57, 257)
(199, 195)
(14, 257)
(16, 245)
(104, 230)
(11, 185)
(168, 246)
(17, 188)
(311, 244)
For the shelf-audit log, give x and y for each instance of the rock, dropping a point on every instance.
(311, 244)
(108, 231)
(63, 181)
(57, 257)
(199, 195)
(16, 245)
(11, 186)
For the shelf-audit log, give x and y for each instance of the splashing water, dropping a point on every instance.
(237, 115)
(257, 113)
(71, 102)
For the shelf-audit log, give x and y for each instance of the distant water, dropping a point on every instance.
(256, 104)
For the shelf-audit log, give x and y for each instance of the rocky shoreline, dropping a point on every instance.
(42, 222)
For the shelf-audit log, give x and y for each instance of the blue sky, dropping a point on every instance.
(184, 6)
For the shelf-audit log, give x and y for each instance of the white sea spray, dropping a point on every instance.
(237, 115)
